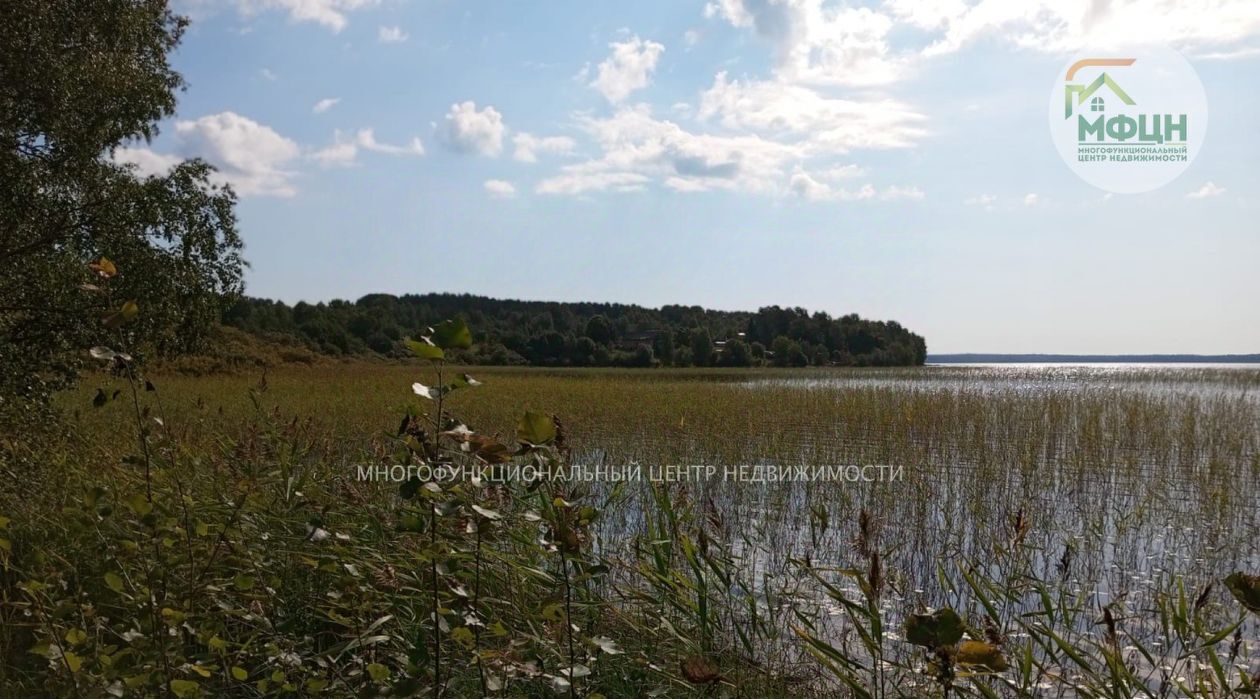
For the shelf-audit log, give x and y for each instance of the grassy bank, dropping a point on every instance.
(1081, 526)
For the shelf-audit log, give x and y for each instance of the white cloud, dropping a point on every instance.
(471, 131)
(500, 188)
(341, 153)
(638, 149)
(825, 186)
(824, 122)
(325, 104)
(983, 200)
(146, 162)
(627, 69)
(808, 186)
(1246, 52)
(367, 141)
(1031, 199)
(268, 74)
(1060, 26)
(578, 181)
(529, 147)
(391, 35)
(691, 37)
(329, 13)
(1209, 189)
(898, 192)
(345, 151)
(634, 141)
(819, 43)
(250, 156)
(929, 15)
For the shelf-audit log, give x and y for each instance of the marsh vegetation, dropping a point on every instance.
(1060, 531)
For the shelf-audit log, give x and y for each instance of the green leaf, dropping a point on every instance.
(239, 674)
(1246, 589)
(452, 334)
(536, 428)
(73, 661)
(76, 637)
(140, 505)
(553, 612)
(378, 672)
(941, 628)
(114, 582)
(244, 582)
(412, 523)
(425, 350)
(184, 688)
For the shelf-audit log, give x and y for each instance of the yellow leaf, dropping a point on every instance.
(982, 654)
(463, 636)
(104, 267)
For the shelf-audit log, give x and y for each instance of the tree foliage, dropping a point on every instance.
(77, 81)
(587, 334)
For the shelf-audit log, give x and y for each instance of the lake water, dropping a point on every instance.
(1133, 476)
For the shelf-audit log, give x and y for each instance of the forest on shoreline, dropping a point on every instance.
(541, 333)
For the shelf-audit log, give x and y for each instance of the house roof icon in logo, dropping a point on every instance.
(1082, 93)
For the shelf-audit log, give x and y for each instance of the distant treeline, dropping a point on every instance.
(585, 334)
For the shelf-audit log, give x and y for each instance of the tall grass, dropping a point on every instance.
(1061, 533)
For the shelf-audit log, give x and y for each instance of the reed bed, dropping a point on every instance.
(1079, 522)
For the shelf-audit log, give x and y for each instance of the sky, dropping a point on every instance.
(891, 159)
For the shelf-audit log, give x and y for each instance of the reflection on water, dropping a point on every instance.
(1039, 379)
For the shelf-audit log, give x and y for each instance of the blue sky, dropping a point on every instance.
(891, 159)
